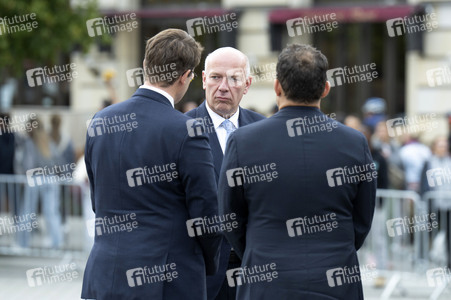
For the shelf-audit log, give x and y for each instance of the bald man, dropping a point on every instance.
(226, 79)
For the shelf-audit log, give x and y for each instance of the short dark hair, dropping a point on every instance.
(301, 71)
(172, 51)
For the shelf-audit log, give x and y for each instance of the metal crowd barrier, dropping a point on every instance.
(439, 204)
(401, 239)
(389, 244)
(25, 228)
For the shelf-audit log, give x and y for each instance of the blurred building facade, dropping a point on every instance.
(412, 66)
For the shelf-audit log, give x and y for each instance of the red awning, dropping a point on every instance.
(165, 13)
(353, 14)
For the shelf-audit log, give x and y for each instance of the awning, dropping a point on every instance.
(165, 13)
(371, 14)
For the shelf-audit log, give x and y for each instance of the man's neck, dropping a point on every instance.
(168, 89)
(167, 92)
(284, 102)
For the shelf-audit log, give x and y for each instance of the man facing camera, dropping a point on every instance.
(147, 183)
(291, 181)
(226, 79)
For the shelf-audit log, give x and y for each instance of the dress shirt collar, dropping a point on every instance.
(217, 119)
(159, 91)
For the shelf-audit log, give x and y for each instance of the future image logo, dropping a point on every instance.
(254, 274)
(111, 25)
(207, 25)
(350, 175)
(353, 74)
(148, 275)
(252, 174)
(414, 24)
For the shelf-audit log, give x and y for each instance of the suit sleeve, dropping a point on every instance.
(232, 200)
(364, 203)
(198, 178)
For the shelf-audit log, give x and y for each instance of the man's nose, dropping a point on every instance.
(224, 86)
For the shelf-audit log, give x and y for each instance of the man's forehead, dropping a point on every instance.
(225, 70)
(226, 60)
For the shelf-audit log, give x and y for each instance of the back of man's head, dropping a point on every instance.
(168, 55)
(301, 71)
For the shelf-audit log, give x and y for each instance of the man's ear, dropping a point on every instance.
(326, 90)
(277, 88)
(144, 70)
(248, 84)
(204, 80)
(185, 76)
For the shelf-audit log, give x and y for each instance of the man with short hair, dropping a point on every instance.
(226, 79)
(291, 180)
(149, 178)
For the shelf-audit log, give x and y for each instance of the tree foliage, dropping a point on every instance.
(60, 27)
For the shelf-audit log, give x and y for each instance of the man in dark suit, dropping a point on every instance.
(302, 187)
(226, 79)
(148, 177)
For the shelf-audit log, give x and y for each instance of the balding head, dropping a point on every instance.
(229, 53)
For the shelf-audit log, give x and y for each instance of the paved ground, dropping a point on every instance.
(14, 284)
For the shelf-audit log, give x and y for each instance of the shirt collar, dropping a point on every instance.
(159, 91)
(217, 119)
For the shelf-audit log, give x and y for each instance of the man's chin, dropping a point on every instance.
(224, 110)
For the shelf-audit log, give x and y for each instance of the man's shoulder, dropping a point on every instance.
(198, 111)
(270, 125)
(255, 124)
(251, 115)
(193, 113)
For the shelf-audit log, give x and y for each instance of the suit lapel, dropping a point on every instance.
(243, 118)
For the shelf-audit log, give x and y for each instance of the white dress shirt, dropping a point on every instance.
(221, 133)
(159, 91)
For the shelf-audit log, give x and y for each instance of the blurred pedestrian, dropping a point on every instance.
(373, 112)
(389, 149)
(7, 155)
(7, 145)
(353, 122)
(413, 155)
(189, 105)
(40, 152)
(62, 141)
(440, 160)
(378, 159)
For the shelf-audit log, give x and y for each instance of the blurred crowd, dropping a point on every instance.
(401, 160)
(36, 148)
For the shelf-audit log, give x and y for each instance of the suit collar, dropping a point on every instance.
(152, 95)
(299, 108)
(159, 91)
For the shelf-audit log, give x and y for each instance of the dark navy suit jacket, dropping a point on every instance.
(276, 211)
(246, 117)
(159, 244)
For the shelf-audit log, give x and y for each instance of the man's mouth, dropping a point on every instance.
(222, 99)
